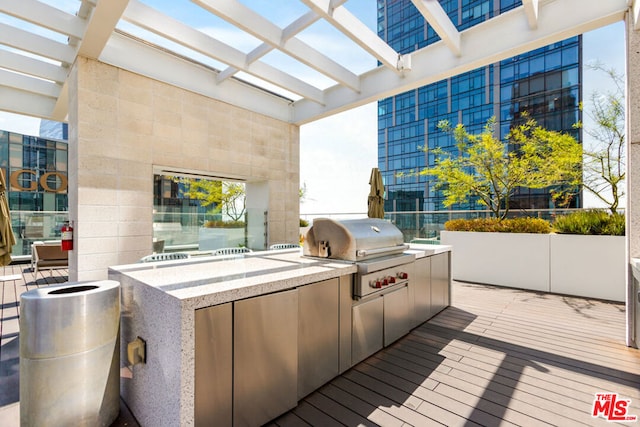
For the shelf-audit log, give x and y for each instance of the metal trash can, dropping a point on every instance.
(70, 354)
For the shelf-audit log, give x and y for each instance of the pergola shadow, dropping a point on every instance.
(469, 366)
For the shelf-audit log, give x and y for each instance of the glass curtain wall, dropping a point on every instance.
(36, 173)
(545, 83)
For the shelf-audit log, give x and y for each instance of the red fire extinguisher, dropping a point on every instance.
(67, 236)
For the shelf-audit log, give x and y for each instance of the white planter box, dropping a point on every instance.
(588, 266)
(518, 260)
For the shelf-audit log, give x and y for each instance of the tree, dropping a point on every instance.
(234, 200)
(302, 192)
(225, 197)
(491, 170)
(604, 158)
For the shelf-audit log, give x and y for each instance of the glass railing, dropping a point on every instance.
(425, 226)
(29, 227)
(176, 231)
(181, 231)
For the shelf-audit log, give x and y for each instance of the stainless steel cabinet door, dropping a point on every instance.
(265, 369)
(214, 364)
(440, 282)
(368, 321)
(397, 317)
(318, 352)
(421, 283)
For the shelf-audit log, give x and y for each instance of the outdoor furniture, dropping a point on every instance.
(232, 251)
(158, 246)
(40, 242)
(165, 256)
(283, 246)
(48, 256)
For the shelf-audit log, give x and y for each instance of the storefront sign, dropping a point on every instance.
(14, 178)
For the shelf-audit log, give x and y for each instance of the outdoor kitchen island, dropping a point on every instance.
(240, 340)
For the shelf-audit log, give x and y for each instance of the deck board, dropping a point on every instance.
(497, 356)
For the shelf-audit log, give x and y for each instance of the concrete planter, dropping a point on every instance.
(586, 266)
(518, 260)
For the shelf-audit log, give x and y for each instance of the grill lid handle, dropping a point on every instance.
(377, 251)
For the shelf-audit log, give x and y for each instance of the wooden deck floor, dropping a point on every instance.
(496, 357)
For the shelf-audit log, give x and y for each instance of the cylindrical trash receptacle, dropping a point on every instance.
(70, 354)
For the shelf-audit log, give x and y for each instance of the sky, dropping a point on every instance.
(337, 153)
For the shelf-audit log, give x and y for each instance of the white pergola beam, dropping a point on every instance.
(29, 84)
(102, 21)
(635, 11)
(261, 28)
(482, 45)
(129, 54)
(60, 110)
(531, 10)
(154, 21)
(35, 44)
(33, 67)
(26, 103)
(291, 30)
(43, 15)
(435, 15)
(146, 17)
(357, 31)
(299, 25)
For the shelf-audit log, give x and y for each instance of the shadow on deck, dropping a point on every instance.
(497, 356)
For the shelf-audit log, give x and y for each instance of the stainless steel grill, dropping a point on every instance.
(375, 245)
(353, 240)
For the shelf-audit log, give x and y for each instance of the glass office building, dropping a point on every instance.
(36, 170)
(545, 83)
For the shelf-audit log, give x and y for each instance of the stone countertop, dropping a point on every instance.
(204, 281)
(423, 250)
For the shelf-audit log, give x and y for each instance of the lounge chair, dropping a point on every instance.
(48, 256)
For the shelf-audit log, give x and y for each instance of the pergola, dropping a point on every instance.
(133, 35)
(41, 42)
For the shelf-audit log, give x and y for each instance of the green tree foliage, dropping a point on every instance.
(224, 197)
(604, 159)
(491, 170)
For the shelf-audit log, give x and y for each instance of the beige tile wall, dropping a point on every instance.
(123, 124)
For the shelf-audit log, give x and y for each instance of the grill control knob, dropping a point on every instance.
(402, 275)
(385, 281)
(392, 279)
(375, 284)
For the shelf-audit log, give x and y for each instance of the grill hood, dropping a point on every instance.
(353, 240)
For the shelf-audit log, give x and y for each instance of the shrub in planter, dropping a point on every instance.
(223, 224)
(304, 223)
(510, 225)
(591, 222)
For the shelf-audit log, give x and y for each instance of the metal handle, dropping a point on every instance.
(366, 252)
